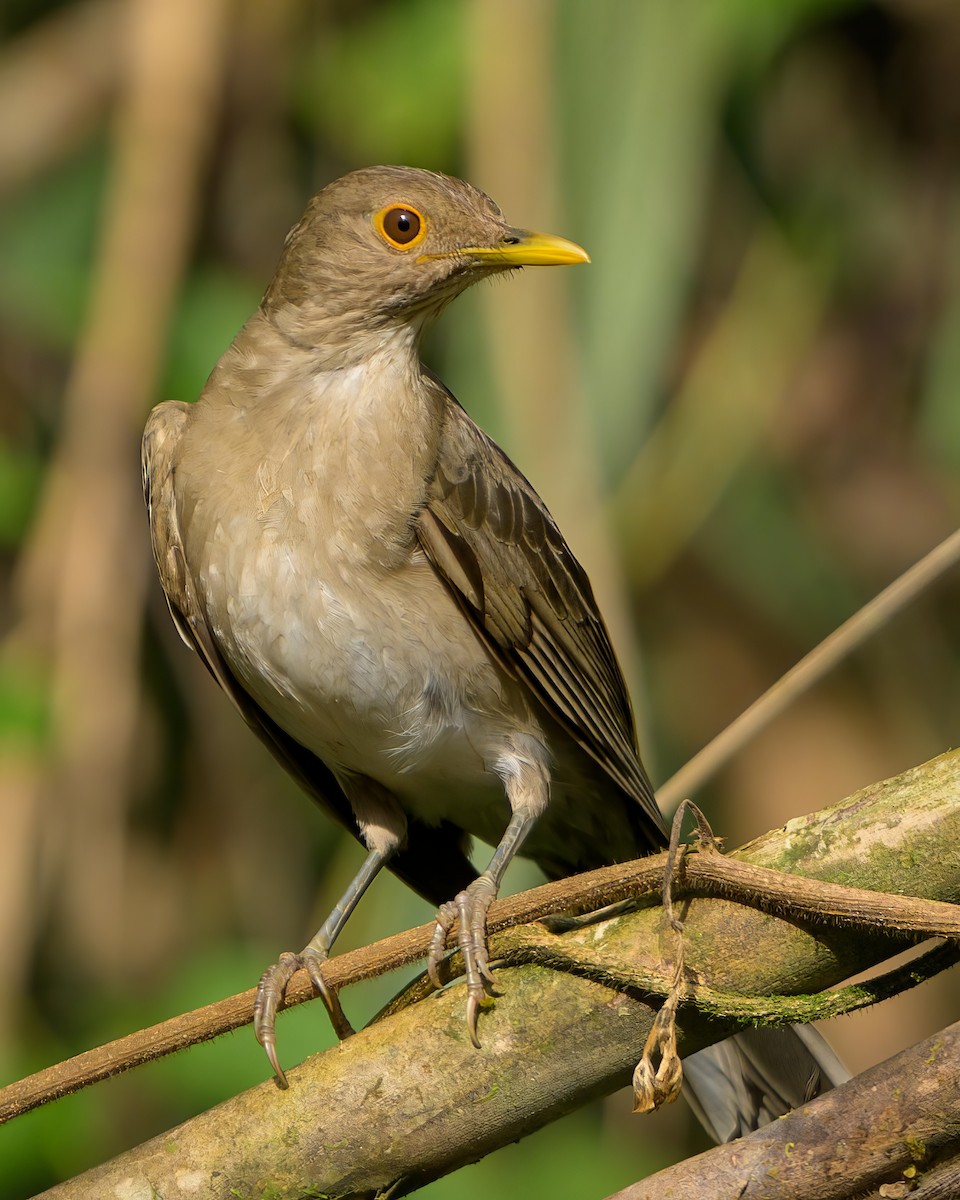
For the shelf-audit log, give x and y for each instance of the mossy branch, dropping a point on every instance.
(896, 1126)
(409, 1099)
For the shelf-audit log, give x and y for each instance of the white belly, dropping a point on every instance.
(316, 591)
(379, 674)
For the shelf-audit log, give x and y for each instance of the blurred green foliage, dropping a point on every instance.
(47, 235)
(353, 87)
(684, 133)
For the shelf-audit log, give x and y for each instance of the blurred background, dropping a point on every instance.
(742, 415)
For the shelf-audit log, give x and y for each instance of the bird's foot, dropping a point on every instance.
(270, 994)
(469, 909)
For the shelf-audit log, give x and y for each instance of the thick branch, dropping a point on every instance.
(704, 874)
(553, 1040)
(902, 1114)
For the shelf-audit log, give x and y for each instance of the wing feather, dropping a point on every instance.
(493, 542)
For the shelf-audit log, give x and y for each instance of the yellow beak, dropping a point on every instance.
(523, 248)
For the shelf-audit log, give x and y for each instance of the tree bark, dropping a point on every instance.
(884, 1127)
(409, 1099)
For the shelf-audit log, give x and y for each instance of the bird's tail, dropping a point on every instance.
(758, 1075)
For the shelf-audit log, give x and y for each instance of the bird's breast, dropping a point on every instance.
(369, 664)
(299, 527)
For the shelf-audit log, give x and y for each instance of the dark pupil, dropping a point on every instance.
(402, 226)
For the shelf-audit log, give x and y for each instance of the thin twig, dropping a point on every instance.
(658, 1076)
(529, 944)
(844, 640)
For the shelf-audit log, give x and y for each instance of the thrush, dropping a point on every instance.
(391, 607)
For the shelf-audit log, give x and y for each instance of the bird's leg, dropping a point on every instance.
(274, 982)
(470, 909)
(383, 829)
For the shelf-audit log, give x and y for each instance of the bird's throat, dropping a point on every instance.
(347, 450)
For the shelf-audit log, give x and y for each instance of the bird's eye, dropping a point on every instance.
(400, 225)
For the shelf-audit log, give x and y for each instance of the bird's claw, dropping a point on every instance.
(469, 910)
(270, 994)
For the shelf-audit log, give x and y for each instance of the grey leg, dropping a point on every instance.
(274, 982)
(470, 908)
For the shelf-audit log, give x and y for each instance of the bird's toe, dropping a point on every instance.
(270, 993)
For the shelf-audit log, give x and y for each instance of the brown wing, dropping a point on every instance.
(492, 540)
(432, 861)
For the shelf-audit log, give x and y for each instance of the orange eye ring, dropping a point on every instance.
(401, 226)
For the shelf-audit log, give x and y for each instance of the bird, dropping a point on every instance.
(390, 605)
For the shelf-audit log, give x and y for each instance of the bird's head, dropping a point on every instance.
(385, 248)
